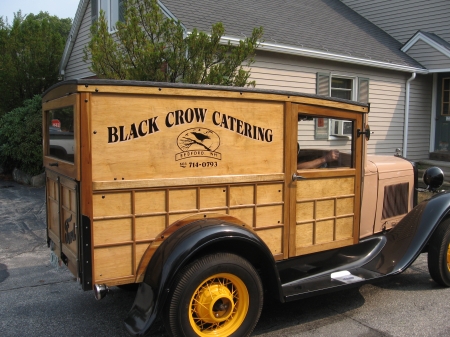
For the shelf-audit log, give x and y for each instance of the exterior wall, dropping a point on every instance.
(428, 56)
(403, 18)
(76, 67)
(420, 109)
(386, 97)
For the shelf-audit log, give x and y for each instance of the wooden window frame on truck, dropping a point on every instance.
(139, 203)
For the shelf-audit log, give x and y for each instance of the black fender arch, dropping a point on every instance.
(182, 246)
(410, 237)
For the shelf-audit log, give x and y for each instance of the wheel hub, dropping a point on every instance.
(214, 303)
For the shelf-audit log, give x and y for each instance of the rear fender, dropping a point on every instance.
(182, 246)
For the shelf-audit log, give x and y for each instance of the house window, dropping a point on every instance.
(113, 11)
(350, 88)
(446, 96)
(342, 88)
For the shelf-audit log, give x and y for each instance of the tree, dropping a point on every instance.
(30, 52)
(21, 137)
(149, 47)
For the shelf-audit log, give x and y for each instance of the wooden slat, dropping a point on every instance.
(219, 94)
(188, 181)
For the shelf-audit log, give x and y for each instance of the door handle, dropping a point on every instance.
(295, 177)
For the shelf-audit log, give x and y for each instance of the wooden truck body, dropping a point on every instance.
(161, 182)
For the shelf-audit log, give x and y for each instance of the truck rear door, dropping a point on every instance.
(62, 167)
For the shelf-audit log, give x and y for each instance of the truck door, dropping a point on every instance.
(62, 163)
(326, 163)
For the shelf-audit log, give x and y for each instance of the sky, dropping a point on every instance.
(61, 8)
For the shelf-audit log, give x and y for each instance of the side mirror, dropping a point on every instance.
(433, 178)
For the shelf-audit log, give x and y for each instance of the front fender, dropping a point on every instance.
(408, 239)
(175, 252)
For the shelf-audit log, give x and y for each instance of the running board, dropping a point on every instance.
(329, 271)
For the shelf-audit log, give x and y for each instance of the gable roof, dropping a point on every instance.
(430, 38)
(325, 29)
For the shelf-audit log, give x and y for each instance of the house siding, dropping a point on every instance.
(403, 18)
(428, 56)
(420, 117)
(386, 97)
(76, 67)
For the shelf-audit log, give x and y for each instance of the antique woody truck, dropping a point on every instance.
(211, 198)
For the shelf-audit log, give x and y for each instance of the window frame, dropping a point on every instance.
(443, 102)
(112, 9)
(359, 92)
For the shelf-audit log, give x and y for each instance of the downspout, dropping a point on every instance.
(405, 129)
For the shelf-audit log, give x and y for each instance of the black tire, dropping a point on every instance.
(217, 295)
(439, 254)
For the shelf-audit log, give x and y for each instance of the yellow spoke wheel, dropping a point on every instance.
(218, 295)
(448, 257)
(219, 305)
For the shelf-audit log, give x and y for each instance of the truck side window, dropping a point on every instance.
(324, 143)
(60, 126)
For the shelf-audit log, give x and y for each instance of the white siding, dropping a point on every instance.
(403, 18)
(386, 96)
(76, 67)
(428, 56)
(420, 117)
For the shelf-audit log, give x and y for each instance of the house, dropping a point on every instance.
(344, 49)
(423, 29)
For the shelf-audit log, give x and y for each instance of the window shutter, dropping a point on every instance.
(363, 90)
(121, 11)
(322, 88)
(323, 84)
(94, 10)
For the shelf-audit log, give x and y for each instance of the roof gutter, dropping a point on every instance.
(405, 128)
(73, 33)
(285, 49)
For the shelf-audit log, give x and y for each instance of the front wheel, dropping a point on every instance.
(217, 295)
(439, 254)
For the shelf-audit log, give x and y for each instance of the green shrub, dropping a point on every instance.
(21, 138)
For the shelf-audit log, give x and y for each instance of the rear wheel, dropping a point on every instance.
(439, 254)
(218, 295)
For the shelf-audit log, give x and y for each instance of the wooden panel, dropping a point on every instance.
(149, 227)
(244, 214)
(213, 197)
(327, 187)
(269, 193)
(179, 137)
(324, 208)
(150, 202)
(269, 215)
(112, 204)
(112, 262)
(345, 205)
(305, 211)
(120, 228)
(53, 217)
(178, 216)
(304, 235)
(344, 228)
(241, 195)
(324, 231)
(273, 238)
(183, 199)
